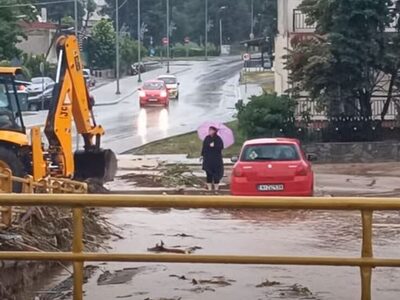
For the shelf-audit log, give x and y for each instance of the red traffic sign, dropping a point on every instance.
(165, 41)
(246, 56)
(187, 40)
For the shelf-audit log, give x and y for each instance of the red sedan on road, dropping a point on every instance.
(153, 92)
(272, 167)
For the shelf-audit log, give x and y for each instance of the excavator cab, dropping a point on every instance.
(10, 112)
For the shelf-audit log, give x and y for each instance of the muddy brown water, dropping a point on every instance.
(322, 233)
(241, 232)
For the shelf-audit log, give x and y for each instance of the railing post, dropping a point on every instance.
(77, 248)
(366, 252)
(6, 187)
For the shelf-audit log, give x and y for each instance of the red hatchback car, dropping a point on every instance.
(153, 92)
(272, 167)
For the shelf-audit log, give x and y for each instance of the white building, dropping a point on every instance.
(291, 21)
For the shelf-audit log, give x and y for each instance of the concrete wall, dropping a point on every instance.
(38, 42)
(282, 42)
(355, 152)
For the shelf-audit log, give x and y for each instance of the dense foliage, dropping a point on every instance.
(10, 30)
(267, 115)
(188, 17)
(350, 58)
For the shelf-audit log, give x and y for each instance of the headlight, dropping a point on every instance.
(142, 94)
(163, 94)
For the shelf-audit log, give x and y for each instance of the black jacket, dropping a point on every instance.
(212, 156)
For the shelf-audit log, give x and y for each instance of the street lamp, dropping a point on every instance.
(76, 17)
(117, 44)
(222, 8)
(168, 37)
(206, 30)
(139, 31)
(252, 20)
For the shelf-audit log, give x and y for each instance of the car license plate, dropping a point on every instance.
(270, 187)
(153, 100)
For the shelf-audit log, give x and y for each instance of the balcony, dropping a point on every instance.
(299, 23)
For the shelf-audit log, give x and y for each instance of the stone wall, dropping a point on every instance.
(355, 152)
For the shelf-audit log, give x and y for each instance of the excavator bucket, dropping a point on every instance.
(97, 164)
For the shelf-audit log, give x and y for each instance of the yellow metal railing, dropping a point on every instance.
(48, 185)
(77, 202)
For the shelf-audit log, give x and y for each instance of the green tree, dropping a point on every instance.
(267, 115)
(11, 32)
(90, 7)
(188, 16)
(341, 67)
(101, 47)
(129, 52)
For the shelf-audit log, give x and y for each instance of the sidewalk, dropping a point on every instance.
(106, 94)
(248, 90)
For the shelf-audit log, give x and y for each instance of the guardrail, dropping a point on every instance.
(366, 206)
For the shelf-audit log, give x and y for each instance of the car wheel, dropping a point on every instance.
(33, 107)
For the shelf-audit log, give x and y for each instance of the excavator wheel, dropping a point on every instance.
(97, 164)
(10, 160)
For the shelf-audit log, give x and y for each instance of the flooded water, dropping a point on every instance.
(247, 232)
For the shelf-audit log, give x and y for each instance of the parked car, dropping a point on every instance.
(38, 101)
(135, 68)
(22, 85)
(39, 84)
(90, 80)
(153, 92)
(272, 167)
(172, 85)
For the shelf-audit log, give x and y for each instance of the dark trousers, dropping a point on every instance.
(211, 178)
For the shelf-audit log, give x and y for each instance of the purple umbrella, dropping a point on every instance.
(224, 132)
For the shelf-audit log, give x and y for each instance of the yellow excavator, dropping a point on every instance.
(71, 102)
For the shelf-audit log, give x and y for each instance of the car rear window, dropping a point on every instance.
(168, 80)
(270, 152)
(153, 86)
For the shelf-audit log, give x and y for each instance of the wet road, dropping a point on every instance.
(208, 91)
(320, 233)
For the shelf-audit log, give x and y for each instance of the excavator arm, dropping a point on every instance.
(71, 102)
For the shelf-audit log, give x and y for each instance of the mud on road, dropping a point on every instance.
(240, 232)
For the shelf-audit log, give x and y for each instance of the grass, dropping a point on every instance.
(189, 144)
(264, 79)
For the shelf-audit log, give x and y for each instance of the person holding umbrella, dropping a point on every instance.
(211, 154)
(216, 137)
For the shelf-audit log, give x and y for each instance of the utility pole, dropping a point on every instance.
(220, 34)
(206, 30)
(139, 32)
(118, 92)
(76, 17)
(168, 37)
(252, 20)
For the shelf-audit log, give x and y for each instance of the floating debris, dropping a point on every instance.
(160, 248)
(267, 283)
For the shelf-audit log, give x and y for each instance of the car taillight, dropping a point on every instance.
(238, 172)
(163, 94)
(301, 171)
(142, 94)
